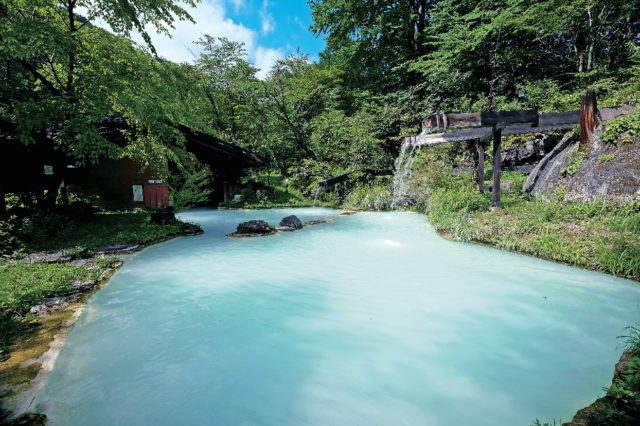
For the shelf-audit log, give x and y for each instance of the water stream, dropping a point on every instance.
(315, 195)
(370, 320)
(403, 170)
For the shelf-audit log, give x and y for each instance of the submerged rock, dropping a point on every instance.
(290, 223)
(118, 248)
(316, 222)
(28, 419)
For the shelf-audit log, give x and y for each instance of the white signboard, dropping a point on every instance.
(155, 180)
(138, 195)
(48, 170)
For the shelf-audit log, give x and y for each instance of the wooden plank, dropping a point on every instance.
(491, 118)
(521, 130)
(446, 120)
(556, 118)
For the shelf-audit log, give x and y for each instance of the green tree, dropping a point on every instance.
(73, 74)
(229, 83)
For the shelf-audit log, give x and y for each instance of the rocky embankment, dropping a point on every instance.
(608, 171)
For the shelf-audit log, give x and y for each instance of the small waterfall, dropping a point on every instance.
(404, 167)
(315, 196)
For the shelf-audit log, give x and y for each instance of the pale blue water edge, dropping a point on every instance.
(370, 320)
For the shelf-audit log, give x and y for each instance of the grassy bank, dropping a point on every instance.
(23, 285)
(598, 235)
(25, 336)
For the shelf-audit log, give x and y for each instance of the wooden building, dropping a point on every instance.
(40, 169)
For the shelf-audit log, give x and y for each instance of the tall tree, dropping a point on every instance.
(77, 74)
(372, 41)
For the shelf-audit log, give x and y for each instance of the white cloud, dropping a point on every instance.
(210, 17)
(267, 22)
(268, 25)
(265, 58)
(238, 4)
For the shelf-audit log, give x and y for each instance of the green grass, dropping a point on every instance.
(109, 228)
(596, 235)
(23, 285)
(279, 193)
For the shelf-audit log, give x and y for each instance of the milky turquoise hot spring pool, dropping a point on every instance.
(370, 320)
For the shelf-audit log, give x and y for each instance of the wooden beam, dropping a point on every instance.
(480, 149)
(491, 118)
(445, 120)
(476, 119)
(497, 146)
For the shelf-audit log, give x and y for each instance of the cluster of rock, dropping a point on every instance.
(77, 256)
(607, 171)
(257, 228)
(54, 303)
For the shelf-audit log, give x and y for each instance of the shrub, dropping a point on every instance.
(622, 128)
(9, 242)
(375, 197)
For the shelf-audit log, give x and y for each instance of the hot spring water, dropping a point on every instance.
(370, 320)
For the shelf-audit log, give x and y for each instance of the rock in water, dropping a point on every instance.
(254, 227)
(290, 223)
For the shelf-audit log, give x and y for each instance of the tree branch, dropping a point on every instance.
(26, 65)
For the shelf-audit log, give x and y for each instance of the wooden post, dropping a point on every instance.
(480, 149)
(497, 146)
(588, 118)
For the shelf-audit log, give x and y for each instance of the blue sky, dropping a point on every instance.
(270, 29)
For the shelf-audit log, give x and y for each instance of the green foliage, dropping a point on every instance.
(109, 228)
(575, 161)
(9, 242)
(23, 285)
(376, 198)
(622, 128)
(620, 256)
(631, 340)
(192, 189)
(73, 74)
(607, 157)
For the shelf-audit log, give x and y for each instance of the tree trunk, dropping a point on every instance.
(588, 118)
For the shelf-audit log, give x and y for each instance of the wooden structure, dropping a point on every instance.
(481, 126)
(40, 169)
(327, 183)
